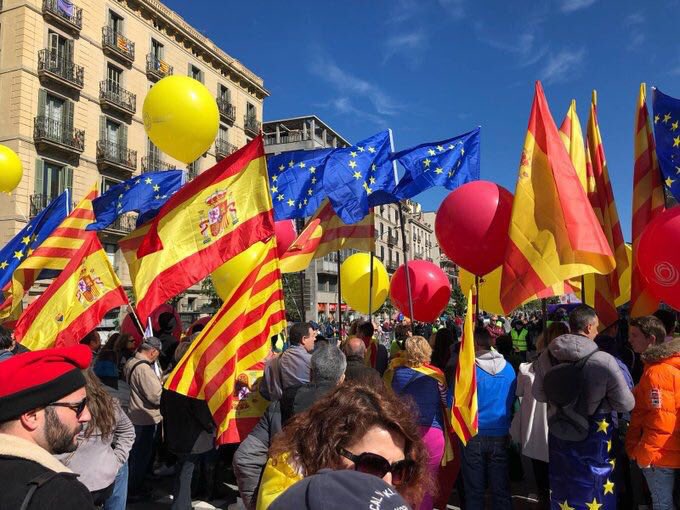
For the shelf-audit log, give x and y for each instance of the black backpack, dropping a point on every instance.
(563, 383)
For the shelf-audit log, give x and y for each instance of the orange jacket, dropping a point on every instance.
(654, 434)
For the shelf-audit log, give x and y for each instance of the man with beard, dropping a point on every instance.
(43, 406)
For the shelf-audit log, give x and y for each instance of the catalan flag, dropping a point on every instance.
(337, 235)
(54, 254)
(601, 198)
(74, 303)
(464, 411)
(300, 254)
(208, 221)
(234, 340)
(553, 234)
(648, 200)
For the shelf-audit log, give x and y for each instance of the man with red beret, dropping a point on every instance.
(43, 406)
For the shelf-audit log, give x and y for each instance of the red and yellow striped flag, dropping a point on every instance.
(54, 254)
(601, 198)
(553, 234)
(464, 412)
(300, 254)
(208, 221)
(234, 340)
(648, 201)
(337, 235)
(74, 303)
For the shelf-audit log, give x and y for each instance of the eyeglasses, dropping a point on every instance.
(377, 465)
(77, 407)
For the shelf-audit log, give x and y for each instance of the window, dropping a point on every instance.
(115, 23)
(225, 94)
(52, 179)
(157, 49)
(152, 151)
(382, 253)
(251, 112)
(112, 132)
(56, 114)
(61, 49)
(111, 253)
(397, 258)
(114, 79)
(195, 73)
(194, 168)
(223, 134)
(108, 183)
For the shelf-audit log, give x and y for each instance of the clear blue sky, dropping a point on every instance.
(431, 69)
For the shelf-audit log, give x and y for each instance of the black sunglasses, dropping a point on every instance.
(77, 407)
(377, 465)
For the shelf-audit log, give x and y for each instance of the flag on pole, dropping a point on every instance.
(337, 235)
(300, 254)
(648, 201)
(53, 254)
(74, 303)
(236, 338)
(208, 221)
(553, 234)
(667, 134)
(464, 415)
(601, 198)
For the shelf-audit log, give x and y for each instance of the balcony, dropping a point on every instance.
(391, 266)
(156, 68)
(118, 45)
(112, 95)
(223, 149)
(227, 110)
(50, 133)
(155, 164)
(286, 137)
(251, 125)
(124, 224)
(115, 155)
(38, 202)
(59, 69)
(192, 173)
(68, 16)
(392, 240)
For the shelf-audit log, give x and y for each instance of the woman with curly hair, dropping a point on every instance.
(353, 427)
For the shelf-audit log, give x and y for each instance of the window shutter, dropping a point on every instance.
(39, 176)
(189, 69)
(68, 179)
(70, 50)
(123, 136)
(68, 117)
(102, 128)
(42, 100)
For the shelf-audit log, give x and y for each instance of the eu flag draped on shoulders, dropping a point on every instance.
(144, 194)
(667, 134)
(359, 177)
(74, 303)
(208, 221)
(31, 236)
(449, 163)
(296, 182)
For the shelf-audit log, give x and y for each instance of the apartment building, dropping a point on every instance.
(73, 77)
(438, 256)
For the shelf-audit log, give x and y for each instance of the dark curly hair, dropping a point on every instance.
(341, 418)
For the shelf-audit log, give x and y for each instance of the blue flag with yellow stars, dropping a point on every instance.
(449, 163)
(144, 194)
(296, 182)
(359, 177)
(32, 236)
(667, 135)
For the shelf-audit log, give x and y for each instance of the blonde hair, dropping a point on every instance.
(418, 351)
(548, 335)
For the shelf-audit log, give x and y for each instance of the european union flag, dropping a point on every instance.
(296, 182)
(449, 163)
(144, 194)
(360, 177)
(667, 135)
(32, 236)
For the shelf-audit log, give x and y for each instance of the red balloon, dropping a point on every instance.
(472, 226)
(430, 290)
(285, 235)
(129, 326)
(658, 257)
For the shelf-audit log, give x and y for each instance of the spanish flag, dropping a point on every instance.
(54, 254)
(216, 216)
(553, 234)
(235, 339)
(648, 200)
(74, 303)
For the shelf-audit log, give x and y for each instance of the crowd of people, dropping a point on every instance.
(363, 417)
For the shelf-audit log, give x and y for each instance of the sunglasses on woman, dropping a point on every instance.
(377, 465)
(77, 407)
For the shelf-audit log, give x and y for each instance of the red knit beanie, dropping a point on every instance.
(34, 379)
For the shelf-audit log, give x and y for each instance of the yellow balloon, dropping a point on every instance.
(181, 117)
(231, 274)
(11, 170)
(489, 292)
(355, 280)
(624, 283)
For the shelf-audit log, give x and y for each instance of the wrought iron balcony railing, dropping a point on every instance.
(125, 223)
(116, 154)
(155, 164)
(59, 134)
(118, 44)
(286, 137)
(112, 94)
(392, 240)
(224, 148)
(252, 125)
(65, 13)
(227, 110)
(156, 67)
(50, 64)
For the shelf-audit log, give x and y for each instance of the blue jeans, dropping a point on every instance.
(141, 456)
(118, 499)
(660, 482)
(485, 459)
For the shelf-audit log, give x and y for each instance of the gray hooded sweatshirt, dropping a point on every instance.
(605, 389)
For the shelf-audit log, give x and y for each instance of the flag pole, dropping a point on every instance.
(339, 298)
(135, 319)
(583, 289)
(370, 290)
(476, 300)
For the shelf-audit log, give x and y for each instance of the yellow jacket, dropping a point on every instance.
(277, 477)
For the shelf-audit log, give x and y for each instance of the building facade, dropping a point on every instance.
(438, 256)
(73, 77)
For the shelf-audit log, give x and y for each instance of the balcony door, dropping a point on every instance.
(61, 51)
(51, 180)
(115, 23)
(113, 81)
(54, 113)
